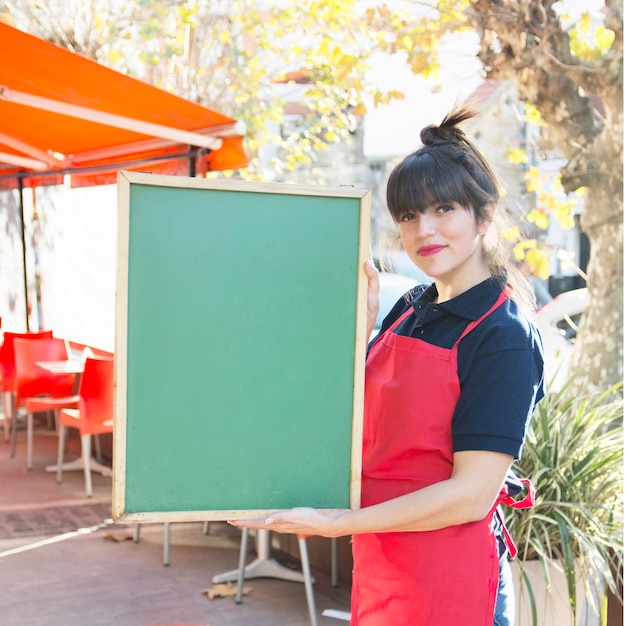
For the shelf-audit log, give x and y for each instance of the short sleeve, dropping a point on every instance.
(501, 382)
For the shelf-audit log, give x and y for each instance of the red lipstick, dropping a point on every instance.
(429, 250)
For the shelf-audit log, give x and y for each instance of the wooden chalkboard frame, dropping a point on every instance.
(158, 203)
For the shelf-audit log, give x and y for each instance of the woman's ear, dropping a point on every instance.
(488, 211)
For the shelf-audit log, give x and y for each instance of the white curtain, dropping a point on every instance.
(76, 249)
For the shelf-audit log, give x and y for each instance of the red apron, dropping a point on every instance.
(446, 577)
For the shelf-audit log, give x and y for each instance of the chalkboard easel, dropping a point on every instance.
(240, 347)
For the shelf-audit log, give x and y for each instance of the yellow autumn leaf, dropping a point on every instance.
(533, 180)
(418, 62)
(538, 262)
(512, 234)
(517, 156)
(604, 38)
(564, 212)
(395, 95)
(540, 218)
(557, 186)
(519, 250)
(584, 23)
(548, 201)
(532, 115)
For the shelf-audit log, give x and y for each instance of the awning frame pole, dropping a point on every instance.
(20, 188)
(110, 119)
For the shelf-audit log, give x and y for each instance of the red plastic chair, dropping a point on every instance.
(94, 415)
(7, 369)
(32, 381)
(48, 404)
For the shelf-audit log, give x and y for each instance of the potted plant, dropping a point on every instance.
(574, 458)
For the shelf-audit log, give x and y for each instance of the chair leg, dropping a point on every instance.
(98, 446)
(308, 582)
(29, 440)
(60, 452)
(136, 532)
(7, 397)
(243, 551)
(13, 428)
(166, 544)
(206, 528)
(334, 573)
(86, 453)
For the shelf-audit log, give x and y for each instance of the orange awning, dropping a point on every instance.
(62, 113)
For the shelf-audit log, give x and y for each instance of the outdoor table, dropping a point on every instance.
(70, 366)
(263, 566)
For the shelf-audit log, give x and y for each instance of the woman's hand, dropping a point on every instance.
(373, 290)
(298, 521)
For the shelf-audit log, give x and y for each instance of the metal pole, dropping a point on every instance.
(20, 188)
(191, 163)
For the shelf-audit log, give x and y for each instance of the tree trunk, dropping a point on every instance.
(598, 354)
(581, 103)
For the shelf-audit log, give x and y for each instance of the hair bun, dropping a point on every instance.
(431, 135)
(448, 131)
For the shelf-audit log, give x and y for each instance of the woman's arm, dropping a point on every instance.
(466, 496)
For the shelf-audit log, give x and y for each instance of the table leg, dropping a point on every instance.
(263, 566)
(77, 465)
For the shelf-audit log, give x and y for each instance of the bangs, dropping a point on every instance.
(421, 180)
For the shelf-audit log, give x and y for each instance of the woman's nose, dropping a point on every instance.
(425, 225)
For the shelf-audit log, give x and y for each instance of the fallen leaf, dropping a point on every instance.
(224, 590)
(113, 537)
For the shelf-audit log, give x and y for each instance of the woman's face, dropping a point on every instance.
(445, 243)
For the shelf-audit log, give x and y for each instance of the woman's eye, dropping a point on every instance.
(407, 217)
(444, 208)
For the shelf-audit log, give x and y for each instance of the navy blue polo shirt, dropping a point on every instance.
(500, 362)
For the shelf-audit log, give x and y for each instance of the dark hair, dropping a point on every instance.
(447, 168)
(450, 168)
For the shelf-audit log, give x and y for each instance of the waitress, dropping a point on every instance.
(450, 384)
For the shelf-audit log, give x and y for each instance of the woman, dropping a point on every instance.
(450, 384)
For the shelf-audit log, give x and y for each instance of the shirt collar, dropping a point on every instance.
(471, 304)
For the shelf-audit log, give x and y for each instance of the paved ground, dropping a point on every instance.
(63, 562)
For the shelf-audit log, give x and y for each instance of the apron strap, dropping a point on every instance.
(525, 503)
(502, 298)
(510, 544)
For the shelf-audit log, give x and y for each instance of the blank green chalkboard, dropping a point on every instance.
(240, 347)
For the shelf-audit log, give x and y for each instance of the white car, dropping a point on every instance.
(558, 324)
(392, 288)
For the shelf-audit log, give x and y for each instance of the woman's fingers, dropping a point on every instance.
(373, 289)
(249, 523)
(301, 521)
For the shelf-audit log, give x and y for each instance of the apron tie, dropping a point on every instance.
(525, 503)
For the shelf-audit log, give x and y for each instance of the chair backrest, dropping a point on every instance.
(96, 395)
(7, 355)
(32, 380)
